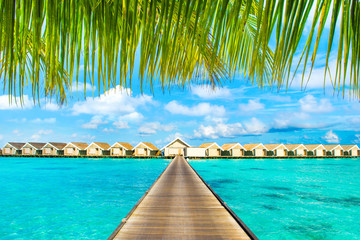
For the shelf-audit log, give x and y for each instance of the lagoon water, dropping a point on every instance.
(63, 198)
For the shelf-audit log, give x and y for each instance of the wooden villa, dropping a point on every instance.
(98, 149)
(13, 148)
(351, 150)
(255, 149)
(53, 149)
(317, 150)
(277, 150)
(75, 149)
(334, 150)
(212, 149)
(121, 149)
(233, 150)
(296, 150)
(175, 147)
(145, 149)
(32, 148)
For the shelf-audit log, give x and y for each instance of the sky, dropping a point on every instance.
(235, 112)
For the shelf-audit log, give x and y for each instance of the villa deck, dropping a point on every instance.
(180, 205)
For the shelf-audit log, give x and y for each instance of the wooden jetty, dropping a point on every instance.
(180, 205)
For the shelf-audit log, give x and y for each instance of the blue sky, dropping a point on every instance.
(237, 112)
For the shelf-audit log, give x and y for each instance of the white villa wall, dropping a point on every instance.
(338, 152)
(354, 152)
(236, 152)
(195, 152)
(259, 152)
(319, 152)
(71, 151)
(301, 151)
(280, 152)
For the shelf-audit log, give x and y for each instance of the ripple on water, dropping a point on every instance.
(276, 188)
(55, 168)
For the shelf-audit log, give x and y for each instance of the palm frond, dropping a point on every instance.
(44, 43)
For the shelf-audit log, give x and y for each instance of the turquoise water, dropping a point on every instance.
(290, 199)
(44, 198)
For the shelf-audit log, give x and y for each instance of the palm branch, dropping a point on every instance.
(45, 43)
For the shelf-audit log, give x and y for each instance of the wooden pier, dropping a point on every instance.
(180, 205)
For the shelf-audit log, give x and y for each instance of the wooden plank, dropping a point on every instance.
(180, 205)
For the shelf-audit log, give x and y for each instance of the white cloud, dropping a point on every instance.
(51, 106)
(251, 106)
(154, 127)
(74, 135)
(201, 109)
(115, 102)
(228, 130)
(16, 132)
(1, 137)
(171, 137)
(80, 87)
(94, 123)
(331, 137)
(255, 127)
(14, 103)
(311, 104)
(121, 125)
(39, 134)
(207, 92)
(131, 117)
(44, 120)
(108, 130)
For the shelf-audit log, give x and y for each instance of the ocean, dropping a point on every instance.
(85, 198)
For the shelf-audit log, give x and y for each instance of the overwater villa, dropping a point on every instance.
(53, 149)
(351, 150)
(212, 149)
(145, 149)
(334, 150)
(12, 148)
(175, 147)
(255, 149)
(196, 152)
(121, 149)
(317, 150)
(233, 150)
(296, 150)
(75, 149)
(32, 148)
(98, 149)
(277, 150)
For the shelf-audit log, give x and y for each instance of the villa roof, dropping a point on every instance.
(148, 145)
(311, 147)
(228, 146)
(274, 146)
(292, 147)
(36, 145)
(81, 146)
(251, 146)
(58, 146)
(349, 147)
(176, 139)
(17, 145)
(103, 146)
(331, 146)
(208, 145)
(128, 146)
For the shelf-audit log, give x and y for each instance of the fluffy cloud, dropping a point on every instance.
(201, 109)
(115, 102)
(227, 130)
(206, 92)
(252, 105)
(121, 125)
(154, 127)
(51, 106)
(13, 103)
(311, 104)
(94, 123)
(39, 135)
(331, 137)
(44, 120)
(1, 137)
